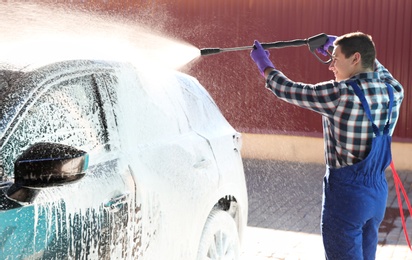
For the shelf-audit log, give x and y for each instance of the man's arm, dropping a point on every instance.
(267, 71)
(323, 97)
(387, 77)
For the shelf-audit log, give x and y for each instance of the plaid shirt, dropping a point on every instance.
(347, 131)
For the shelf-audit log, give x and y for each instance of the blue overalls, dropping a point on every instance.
(354, 197)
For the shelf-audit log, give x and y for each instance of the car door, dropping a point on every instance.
(86, 218)
(207, 120)
(174, 166)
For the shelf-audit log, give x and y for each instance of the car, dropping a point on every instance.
(112, 160)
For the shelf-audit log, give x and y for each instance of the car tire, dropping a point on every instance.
(220, 238)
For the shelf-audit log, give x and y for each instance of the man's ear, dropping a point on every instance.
(356, 58)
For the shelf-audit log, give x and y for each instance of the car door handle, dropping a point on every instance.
(204, 163)
(116, 203)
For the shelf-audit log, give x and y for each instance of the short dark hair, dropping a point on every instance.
(358, 42)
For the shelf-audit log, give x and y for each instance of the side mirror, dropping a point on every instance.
(46, 165)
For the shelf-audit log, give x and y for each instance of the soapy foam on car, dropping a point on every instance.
(33, 36)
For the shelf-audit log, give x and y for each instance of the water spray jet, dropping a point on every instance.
(34, 35)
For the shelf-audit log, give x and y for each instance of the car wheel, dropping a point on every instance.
(220, 239)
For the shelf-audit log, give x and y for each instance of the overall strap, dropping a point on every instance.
(365, 106)
(391, 98)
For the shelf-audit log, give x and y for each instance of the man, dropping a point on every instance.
(359, 110)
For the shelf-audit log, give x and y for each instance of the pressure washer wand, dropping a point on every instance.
(279, 44)
(313, 43)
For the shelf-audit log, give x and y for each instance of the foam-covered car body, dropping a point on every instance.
(103, 160)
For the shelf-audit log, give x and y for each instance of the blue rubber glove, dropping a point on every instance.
(261, 57)
(324, 48)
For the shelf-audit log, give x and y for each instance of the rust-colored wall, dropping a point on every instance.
(233, 79)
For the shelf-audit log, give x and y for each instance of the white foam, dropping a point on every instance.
(33, 36)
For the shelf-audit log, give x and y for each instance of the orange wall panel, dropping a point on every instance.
(232, 78)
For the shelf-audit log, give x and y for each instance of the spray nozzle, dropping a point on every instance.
(209, 51)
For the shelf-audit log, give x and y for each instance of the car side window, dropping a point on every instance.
(68, 112)
(147, 110)
(199, 106)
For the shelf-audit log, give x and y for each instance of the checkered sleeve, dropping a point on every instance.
(322, 97)
(387, 77)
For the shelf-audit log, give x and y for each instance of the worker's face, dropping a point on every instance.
(341, 66)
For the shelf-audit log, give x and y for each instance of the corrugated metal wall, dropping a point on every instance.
(232, 78)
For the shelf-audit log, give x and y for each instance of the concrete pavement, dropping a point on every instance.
(285, 201)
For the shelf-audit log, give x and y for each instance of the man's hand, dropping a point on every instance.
(324, 48)
(261, 57)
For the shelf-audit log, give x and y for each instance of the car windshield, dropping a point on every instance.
(8, 97)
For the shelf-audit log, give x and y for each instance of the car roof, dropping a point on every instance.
(17, 87)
